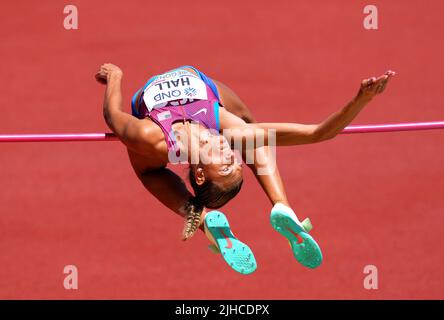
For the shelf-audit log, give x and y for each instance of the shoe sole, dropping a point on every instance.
(305, 249)
(235, 253)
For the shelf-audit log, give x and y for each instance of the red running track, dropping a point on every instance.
(373, 199)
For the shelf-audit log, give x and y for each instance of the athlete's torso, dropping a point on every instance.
(178, 95)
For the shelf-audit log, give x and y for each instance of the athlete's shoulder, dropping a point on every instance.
(144, 136)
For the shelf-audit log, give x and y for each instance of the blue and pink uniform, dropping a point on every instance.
(178, 95)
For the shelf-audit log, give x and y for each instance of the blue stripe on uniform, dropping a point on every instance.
(134, 110)
(134, 103)
(205, 79)
(216, 114)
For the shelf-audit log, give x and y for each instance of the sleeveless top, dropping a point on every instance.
(178, 96)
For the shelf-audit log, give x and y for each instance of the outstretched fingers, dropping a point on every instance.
(373, 86)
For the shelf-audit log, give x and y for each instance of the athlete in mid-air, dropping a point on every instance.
(183, 116)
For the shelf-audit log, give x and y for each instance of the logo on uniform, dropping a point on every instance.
(190, 92)
(164, 116)
(204, 110)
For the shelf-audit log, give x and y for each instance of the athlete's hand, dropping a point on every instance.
(373, 86)
(105, 72)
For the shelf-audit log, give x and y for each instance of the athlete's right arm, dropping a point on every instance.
(131, 131)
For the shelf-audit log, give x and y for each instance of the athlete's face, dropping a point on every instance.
(219, 162)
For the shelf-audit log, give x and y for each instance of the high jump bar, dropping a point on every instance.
(66, 137)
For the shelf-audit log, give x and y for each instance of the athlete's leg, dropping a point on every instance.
(271, 183)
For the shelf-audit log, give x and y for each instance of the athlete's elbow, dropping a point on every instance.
(319, 136)
(325, 138)
(109, 123)
(107, 115)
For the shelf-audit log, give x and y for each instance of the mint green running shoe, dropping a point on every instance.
(304, 247)
(236, 253)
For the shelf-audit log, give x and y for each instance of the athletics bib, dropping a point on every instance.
(178, 85)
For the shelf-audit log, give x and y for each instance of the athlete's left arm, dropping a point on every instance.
(288, 134)
(129, 129)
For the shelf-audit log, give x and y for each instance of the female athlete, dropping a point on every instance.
(183, 116)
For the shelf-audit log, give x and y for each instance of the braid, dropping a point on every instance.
(193, 210)
(208, 195)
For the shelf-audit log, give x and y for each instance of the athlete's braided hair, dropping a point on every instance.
(193, 210)
(209, 195)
